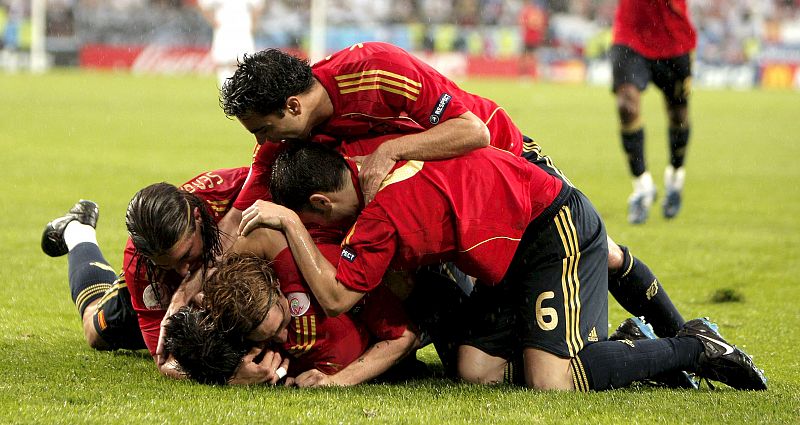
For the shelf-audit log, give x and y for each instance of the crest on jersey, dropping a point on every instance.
(298, 303)
(156, 296)
(441, 105)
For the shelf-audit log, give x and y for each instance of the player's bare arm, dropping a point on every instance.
(448, 139)
(376, 360)
(333, 297)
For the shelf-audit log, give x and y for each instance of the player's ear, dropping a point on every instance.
(197, 216)
(293, 105)
(320, 202)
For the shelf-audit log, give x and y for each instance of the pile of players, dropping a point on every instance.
(385, 208)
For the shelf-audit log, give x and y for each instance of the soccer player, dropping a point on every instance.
(511, 225)
(389, 105)
(653, 41)
(246, 297)
(233, 23)
(126, 313)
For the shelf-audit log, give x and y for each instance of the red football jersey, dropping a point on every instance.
(377, 89)
(217, 189)
(471, 210)
(331, 343)
(657, 29)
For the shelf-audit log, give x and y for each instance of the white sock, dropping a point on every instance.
(674, 177)
(643, 183)
(77, 232)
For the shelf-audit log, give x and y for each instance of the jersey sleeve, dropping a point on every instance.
(380, 80)
(256, 185)
(367, 252)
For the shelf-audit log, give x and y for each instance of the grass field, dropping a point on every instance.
(65, 136)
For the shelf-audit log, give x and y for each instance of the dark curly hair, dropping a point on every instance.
(203, 352)
(304, 169)
(241, 292)
(263, 81)
(158, 216)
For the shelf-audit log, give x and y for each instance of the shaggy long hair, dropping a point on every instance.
(240, 293)
(158, 216)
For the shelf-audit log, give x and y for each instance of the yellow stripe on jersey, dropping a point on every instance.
(405, 172)
(376, 72)
(489, 240)
(492, 115)
(372, 80)
(570, 283)
(376, 80)
(306, 331)
(377, 86)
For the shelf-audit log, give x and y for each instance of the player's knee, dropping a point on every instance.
(628, 104)
(94, 339)
(546, 371)
(90, 332)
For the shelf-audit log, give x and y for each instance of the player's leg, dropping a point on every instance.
(673, 77)
(560, 274)
(630, 77)
(638, 291)
(490, 340)
(91, 278)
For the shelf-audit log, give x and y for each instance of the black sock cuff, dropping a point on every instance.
(90, 275)
(627, 263)
(89, 294)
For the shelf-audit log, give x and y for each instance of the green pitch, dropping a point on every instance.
(66, 136)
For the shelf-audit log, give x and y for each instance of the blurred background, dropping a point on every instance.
(742, 43)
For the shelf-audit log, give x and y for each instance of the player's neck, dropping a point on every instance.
(323, 107)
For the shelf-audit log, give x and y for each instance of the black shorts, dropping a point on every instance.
(115, 319)
(554, 296)
(672, 76)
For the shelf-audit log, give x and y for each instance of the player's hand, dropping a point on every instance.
(188, 289)
(374, 168)
(313, 378)
(263, 214)
(269, 369)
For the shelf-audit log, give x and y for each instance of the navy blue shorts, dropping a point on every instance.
(672, 76)
(554, 296)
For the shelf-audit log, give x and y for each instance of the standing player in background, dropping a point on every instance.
(233, 22)
(653, 41)
(533, 23)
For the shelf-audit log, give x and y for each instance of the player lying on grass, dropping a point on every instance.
(247, 303)
(511, 225)
(126, 312)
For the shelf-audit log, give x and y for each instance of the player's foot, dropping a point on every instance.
(639, 204)
(722, 361)
(633, 329)
(86, 212)
(673, 184)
